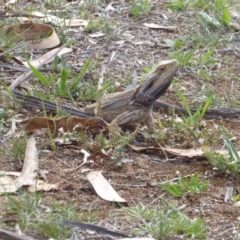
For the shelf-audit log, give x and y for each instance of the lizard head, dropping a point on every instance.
(157, 82)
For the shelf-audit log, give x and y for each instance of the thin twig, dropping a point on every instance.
(17, 46)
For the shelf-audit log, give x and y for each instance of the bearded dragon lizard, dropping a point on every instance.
(126, 108)
(135, 106)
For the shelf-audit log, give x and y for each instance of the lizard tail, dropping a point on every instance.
(35, 102)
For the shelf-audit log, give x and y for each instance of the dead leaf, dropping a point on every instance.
(236, 204)
(110, 7)
(137, 148)
(57, 20)
(103, 187)
(41, 185)
(38, 123)
(18, 230)
(10, 2)
(98, 156)
(42, 36)
(68, 124)
(76, 22)
(96, 35)
(7, 185)
(28, 175)
(29, 171)
(43, 174)
(38, 14)
(84, 170)
(16, 174)
(37, 62)
(190, 153)
(60, 21)
(156, 26)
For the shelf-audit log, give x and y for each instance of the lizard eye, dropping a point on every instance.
(162, 69)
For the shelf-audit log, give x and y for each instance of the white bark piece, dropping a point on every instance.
(103, 187)
(30, 166)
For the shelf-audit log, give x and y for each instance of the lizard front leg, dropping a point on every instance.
(127, 118)
(131, 118)
(150, 123)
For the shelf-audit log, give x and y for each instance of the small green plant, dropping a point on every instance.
(189, 130)
(139, 7)
(52, 228)
(164, 221)
(229, 163)
(193, 229)
(198, 51)
(194, 185)
(70, 86)
(28, 212)
(199, 114)
(16, 151)
(2, 118)
(53, 3)
(208, 20)
(184, 57)
(120, 141)
(231, 149)
(106, 26)
(207, 58)
(8, 40)
(214, 13)
(64, 88)
(176, 44)
(179, 5)
(24, 207)
(92, 26)
(87, 9)
(218, 17)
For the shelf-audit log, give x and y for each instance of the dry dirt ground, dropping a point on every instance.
(130, 45)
